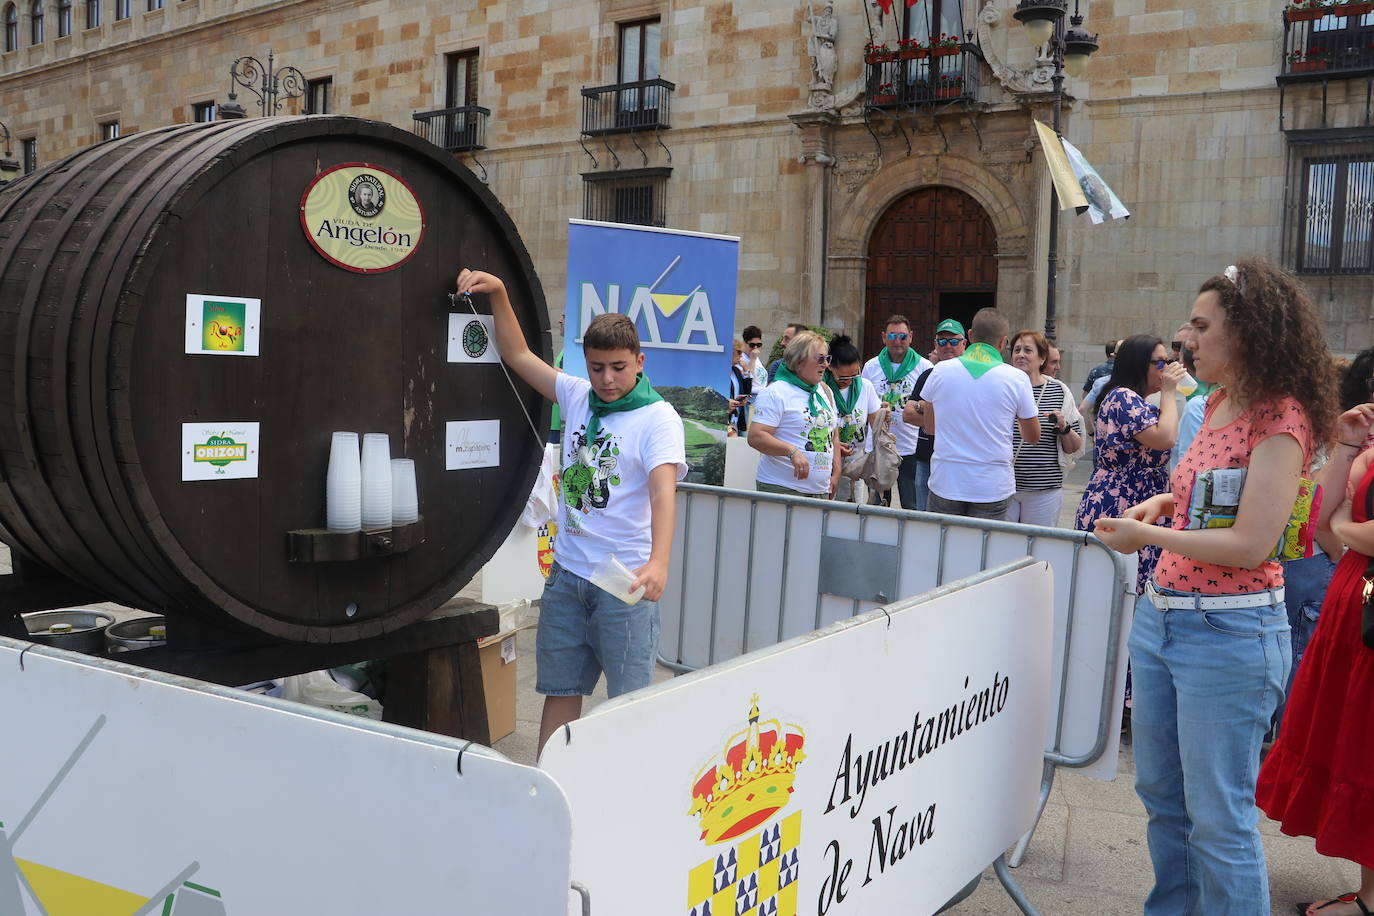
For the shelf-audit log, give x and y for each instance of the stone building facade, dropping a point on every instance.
(929, 199)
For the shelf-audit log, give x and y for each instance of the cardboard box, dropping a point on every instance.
(497, 654)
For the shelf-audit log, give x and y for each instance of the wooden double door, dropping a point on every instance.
(932, 256)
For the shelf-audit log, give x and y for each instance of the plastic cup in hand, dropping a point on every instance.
(376, 473)
(612, 577)
(1187, 385)
(405, 500)
(343, 484)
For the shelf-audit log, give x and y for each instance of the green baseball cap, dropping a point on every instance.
(950, 326)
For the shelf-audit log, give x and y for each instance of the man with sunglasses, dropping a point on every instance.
(949, 344)
(753, 351)
(787, 334)
(893, 374)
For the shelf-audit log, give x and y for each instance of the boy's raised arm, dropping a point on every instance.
(510, 340)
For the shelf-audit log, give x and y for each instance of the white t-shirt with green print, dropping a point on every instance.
(784, 407)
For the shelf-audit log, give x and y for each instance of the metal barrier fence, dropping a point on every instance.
(752, 569)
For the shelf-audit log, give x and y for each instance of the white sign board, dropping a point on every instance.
(223, 325)
(219, 451)
(127, 793)
(471, 339)
(875, 766)
(472, 444)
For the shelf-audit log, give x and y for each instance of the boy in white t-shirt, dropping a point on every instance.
(622, 456)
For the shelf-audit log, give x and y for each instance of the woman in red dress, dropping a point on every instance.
(1318, 780)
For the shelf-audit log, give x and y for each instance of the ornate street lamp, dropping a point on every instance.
(1069, 50)
(272, 85)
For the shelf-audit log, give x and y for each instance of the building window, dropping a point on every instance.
(924, 18)
(317, 95)
(122, 9)
(109, 130)
(11, 27)
(1337, 215)
(460, 79)
(93, 14)
(203, 111)
(64, 18)
(29, 151)
(36, 22)
(634, 196)
(154, 5)
(638, 62)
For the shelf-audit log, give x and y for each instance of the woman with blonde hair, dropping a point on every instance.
(794, 428)
(1039, 473)
(1210, 641)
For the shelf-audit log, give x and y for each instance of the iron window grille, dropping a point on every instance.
(1329, 203)
(634, 196)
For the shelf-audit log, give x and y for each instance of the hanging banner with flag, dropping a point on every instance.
(679, 290)
(1079, 185)
(1065, 181)
(1103, 204)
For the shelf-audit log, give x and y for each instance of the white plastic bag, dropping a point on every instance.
(542, 506)
(317, 688)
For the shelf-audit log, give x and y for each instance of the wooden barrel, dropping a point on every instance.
(146, 452)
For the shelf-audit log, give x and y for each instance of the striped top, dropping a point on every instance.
(1037, 466)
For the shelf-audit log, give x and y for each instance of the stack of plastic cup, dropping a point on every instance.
(343, 489)
(405, 498)
(376, 473)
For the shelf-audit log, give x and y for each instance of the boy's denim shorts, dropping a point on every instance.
(584, 631)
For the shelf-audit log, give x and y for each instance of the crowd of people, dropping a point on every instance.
(1241, 480)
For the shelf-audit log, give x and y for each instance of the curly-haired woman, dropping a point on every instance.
(1209, 644)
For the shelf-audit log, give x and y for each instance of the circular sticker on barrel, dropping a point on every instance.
(362, 217)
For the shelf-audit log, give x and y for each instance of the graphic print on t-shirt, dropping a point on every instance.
(587, 481)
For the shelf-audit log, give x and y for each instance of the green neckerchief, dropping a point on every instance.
(815, 401)
(845, 398)
(979, 358)
(641, 395)
(897, 373)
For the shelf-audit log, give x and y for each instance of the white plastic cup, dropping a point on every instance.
(343, 484)
(376, 476)
(405, 499)
(1187, 385)
(612, 577)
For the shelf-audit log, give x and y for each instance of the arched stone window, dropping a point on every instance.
(36, 22)
(11, 27)
(64, 18)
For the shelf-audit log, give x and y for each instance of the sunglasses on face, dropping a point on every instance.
(1177, 345)
(892, 336)
(850, 378)
(823, 359)
(948, 341)
(1161, 363)
(755, 344)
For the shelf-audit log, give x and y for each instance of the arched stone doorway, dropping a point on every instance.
(932, 255)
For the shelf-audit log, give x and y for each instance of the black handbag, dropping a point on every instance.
(1367, 612)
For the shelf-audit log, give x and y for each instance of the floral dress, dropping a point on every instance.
(1127, 472)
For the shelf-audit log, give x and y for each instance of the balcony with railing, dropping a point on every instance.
(627, 107)
(457, 130)
(1325, 40)
(916, 76)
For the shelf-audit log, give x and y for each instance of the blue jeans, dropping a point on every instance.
(906, 481)
(1305, 583)
(584, 630)
(1206, 684)
(922, 485)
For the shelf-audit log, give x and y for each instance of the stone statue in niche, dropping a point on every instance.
(823, 60)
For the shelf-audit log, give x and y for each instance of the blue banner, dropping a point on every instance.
(679, 289)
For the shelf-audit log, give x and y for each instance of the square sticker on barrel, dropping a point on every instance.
(219, 451)
(222, 325)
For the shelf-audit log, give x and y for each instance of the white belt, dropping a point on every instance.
(1269, 596)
